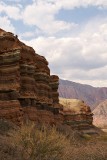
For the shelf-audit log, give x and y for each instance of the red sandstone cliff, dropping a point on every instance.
(27, 90)
(25, 86)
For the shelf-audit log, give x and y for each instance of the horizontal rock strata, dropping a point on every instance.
(28, 91)
(76, 114)
(25, 83)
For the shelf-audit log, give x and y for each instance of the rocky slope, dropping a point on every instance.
(92, 96)
(100, 115)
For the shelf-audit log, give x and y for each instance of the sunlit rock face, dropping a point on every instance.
(76, 113)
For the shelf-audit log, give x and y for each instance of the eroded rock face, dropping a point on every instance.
(76, 113)
(9, 86)
(28, 91)
(26, 88)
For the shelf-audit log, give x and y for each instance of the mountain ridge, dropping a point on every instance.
(92, 96)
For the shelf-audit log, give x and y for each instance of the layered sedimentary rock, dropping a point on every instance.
(9, 85)
(76, 114)
(28, 91)
(25, 82)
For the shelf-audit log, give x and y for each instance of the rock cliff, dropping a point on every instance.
(27, 90)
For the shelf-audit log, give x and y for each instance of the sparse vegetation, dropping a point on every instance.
(72, 105)
(34, 142)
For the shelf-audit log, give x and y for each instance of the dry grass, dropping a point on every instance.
(34, 142)
(72, 105)
(41, 143)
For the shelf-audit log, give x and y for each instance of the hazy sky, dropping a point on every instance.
(71, 34)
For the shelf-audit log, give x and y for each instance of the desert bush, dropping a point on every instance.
(49, 143)
(41, 142)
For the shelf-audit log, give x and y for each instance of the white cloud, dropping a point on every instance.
(13, 12)
(83, 3)
(13, 1)
(6, 24)
(70, 4)
(42, 15)
(27, 34)
(80, 58)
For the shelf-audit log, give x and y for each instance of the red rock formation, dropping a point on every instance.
(9, 81)
(25, 79)
(26, 88)
(76, 114)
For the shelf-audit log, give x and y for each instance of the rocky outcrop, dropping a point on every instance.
(92, 96)
(100, 115)
(76, 114)
(26, 88)
(28, 91)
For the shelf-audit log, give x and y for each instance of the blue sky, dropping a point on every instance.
(72, 35)
(81, 15)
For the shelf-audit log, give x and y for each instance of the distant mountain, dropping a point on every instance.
(92, 96)
(100, 115)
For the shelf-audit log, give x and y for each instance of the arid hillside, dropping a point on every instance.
(92, 96)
